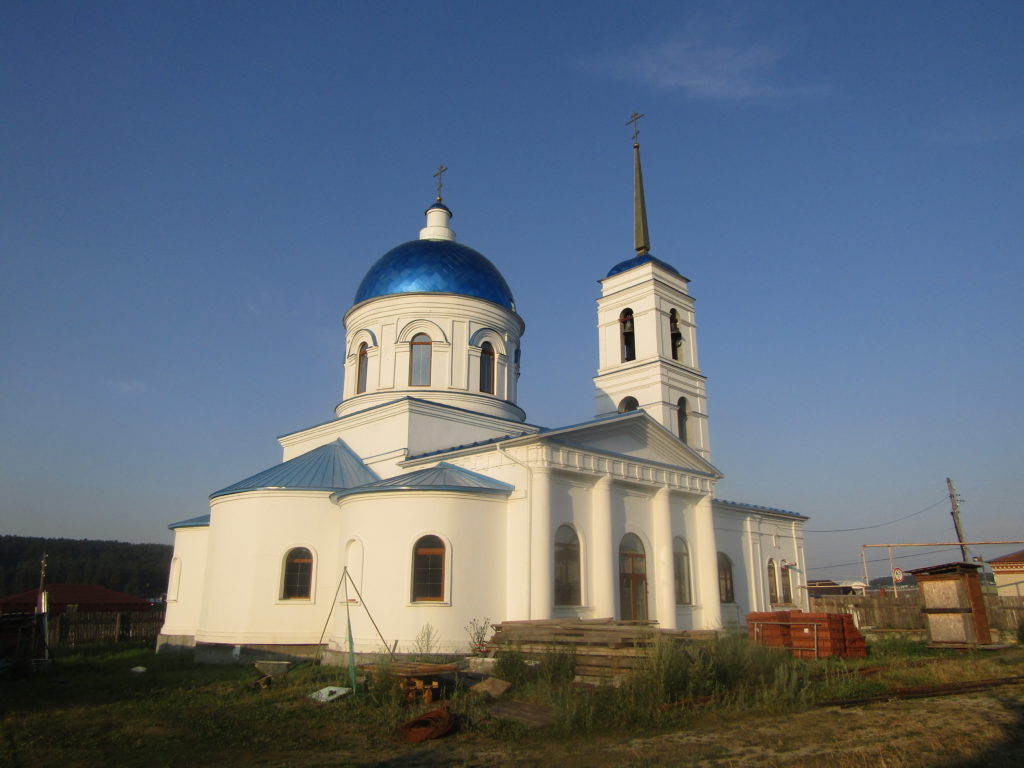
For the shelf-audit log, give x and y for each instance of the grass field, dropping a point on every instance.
(731, 705)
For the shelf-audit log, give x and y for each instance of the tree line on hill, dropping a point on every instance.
(138, 569)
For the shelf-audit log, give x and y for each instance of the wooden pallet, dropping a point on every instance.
(604, 649)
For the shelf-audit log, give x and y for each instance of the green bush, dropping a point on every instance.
(510, 665)
(556, 666)
(676, 679)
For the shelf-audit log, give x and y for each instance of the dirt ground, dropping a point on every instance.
(966, 731)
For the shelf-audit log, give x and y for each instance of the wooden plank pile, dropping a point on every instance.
(604, 649)
(808, 635)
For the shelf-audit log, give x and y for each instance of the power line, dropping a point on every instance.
(881, 525)
(882, 559)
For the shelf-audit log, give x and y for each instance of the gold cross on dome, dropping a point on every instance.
(440, 170)
(634, 118)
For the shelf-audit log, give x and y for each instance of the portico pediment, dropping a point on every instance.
(635, 435)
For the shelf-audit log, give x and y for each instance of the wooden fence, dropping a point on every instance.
(904, 611)
(87, 628)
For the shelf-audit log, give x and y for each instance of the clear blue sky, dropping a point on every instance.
(191, 192)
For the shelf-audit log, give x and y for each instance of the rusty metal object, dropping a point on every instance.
(430, 725)
(926, 691)
(417, 680)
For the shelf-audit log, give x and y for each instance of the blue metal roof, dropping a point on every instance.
(759, 508)
(443, 477)
(477, 444)
(193, 522)
(330, 467)
(435, 266)
(441, 206)
(642, 258)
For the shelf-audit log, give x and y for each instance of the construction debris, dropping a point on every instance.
(273, 668)
(522, 712)
(604, 649)
(808, 635)
(492, 686)
(429, 725)
(330, 693)
(419, 681)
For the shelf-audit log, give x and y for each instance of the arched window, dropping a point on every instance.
(361, 365)
(626, 333)
(428, 570)
(419, 361)
(487, 368)
(174, 580)
(682, 407)
(681, 571)
(632, 578)
(628, 404)
(298, 574)
(773, 584)
(787, 583)
(725, 590)
(567, 566)
(674, 334)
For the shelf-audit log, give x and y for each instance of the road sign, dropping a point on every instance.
(897, 575)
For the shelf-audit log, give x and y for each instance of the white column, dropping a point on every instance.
(664, 576)
(804, 600)
(603, 551)
(541, 546)
(705, 553)
(755, 571)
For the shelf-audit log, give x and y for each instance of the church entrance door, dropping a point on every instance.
(632, 578)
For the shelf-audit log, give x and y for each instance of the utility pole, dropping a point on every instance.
(956, 517)
(40, 612)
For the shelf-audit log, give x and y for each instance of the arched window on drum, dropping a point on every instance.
(487, 368)
(419, 361)
(362, 365)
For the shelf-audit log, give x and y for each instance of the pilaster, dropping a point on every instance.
(705, 555)
(664, 575)
(541, 546)
(604, 562)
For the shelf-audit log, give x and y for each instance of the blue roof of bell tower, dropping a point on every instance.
(435, 266)
(641, 258)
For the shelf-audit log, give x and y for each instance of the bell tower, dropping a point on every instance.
(647, 337)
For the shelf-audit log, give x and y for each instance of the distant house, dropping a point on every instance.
(826, 587)
(1009, 573)
(82, 597)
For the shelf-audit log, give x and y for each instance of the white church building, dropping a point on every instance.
(444, 505)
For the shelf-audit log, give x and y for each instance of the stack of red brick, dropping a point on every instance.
(808, 635)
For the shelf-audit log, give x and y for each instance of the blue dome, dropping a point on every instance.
(636, 261)
(435, 266)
